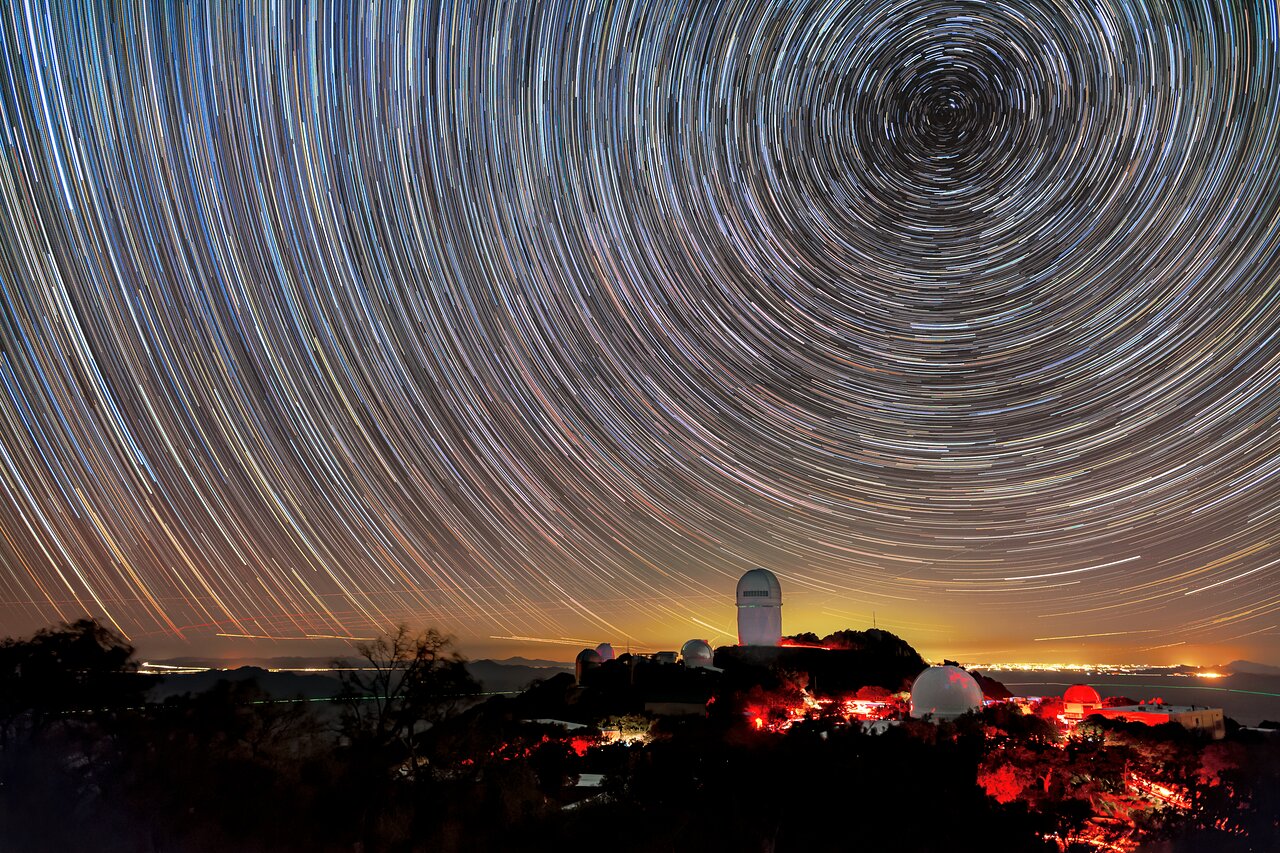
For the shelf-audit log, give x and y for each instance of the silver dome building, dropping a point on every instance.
(696, 654)
(944, 693)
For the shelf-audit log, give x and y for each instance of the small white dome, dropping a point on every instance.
(605, 650)
(944, 693)
(759, 587)
(696, 653)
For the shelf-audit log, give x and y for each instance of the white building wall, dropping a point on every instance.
(759, 625)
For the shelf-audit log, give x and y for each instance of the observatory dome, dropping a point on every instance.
(1081, 694)
(696, 654)
(587, 660)
(605, 650)
(945, 692)
(759, 586)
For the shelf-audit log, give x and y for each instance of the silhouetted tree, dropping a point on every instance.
(410, 681)
(74, 668)
(61, 692)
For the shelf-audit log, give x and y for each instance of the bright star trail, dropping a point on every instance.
(547, 320)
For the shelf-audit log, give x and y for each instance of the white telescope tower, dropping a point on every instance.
(759, 609)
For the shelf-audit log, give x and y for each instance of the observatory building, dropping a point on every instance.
(587, 660)
(759, 609)
(605, 650)
(944, 693)
(1080, 701)
(1154, 712)
(696, 654)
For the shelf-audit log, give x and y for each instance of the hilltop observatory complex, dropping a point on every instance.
(759, 609)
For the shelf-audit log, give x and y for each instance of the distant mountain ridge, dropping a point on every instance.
(1251, 667)
(509, 677)
(534, 662)
(505, 676)
(277, 685)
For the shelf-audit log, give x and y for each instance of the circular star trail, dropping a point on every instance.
(548, 319)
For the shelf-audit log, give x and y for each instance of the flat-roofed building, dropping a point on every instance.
(1196, 718)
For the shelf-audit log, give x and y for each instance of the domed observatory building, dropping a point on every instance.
(759, 609)
(1080, 701)
(587, 661)
(605, 650)
(944, 693)
(696, 654)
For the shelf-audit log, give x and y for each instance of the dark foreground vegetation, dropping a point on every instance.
(409, 758)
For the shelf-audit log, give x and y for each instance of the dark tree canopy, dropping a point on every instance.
(77, 667)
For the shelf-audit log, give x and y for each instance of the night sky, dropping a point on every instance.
(549, 319)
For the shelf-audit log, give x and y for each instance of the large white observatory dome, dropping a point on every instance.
(605, 650)
(759, 586)
(696, 654)
(759, 609)
(944, 692)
